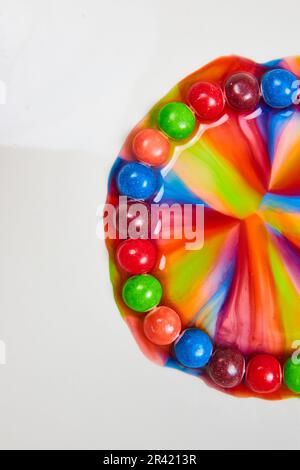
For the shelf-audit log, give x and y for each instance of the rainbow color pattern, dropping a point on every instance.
(243, 286)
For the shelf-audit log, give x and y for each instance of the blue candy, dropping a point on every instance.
(137, 181)
(279, 88)
(193, 348)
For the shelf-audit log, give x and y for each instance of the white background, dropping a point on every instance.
(79, 74)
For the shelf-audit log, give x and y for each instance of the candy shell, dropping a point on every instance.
(227, 368)
(142, 293)
(162, 326)
(279, 88)
(242, 91)
(136, 256)
(193, 348)
(207, 100)
(176, 120)
(292, 376)
(133, 220)
(151, 147)
(137, 181)
(264, 374)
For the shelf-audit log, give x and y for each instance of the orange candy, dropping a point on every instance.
(151, 147)
(162, 326)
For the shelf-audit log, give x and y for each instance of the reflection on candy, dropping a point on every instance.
(142, 292)
(227, 368)
(193, 348)
(263, 374)
(162, 326)
(132, 220)
(137, 181)
(279, 88)
(242, 91)
(207, 100)
(292, 376)
(136, 256)
(151, 147)
(242, 287)
(176, 120)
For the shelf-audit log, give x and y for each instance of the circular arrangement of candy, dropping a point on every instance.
(227, 137)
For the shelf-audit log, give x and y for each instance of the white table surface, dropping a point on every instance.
(78, 75)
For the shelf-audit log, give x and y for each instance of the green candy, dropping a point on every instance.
(141, 293)
(176, 120)
(292, 376)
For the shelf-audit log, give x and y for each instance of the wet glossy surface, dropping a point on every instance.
(242, 91)
(278, 87)
(137, 181)
(136, 256)
(207, 100)
(263, 374)
(193, 348)
(141, 293)
(227, 368)
(242, 288)
(151, 147)
(162, 326)
(292, 376)
(176, 120)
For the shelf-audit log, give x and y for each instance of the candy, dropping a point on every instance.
(242, 286)
(242, 91)
(137, 181)
(162, 326)
(133, 220)
(207, 100)
(151, 147)
(176, 120)
(193, 348)
(292, 376)
(142, 292)
(136, 256)
(263, 374)
(227, 368)
(279, 88)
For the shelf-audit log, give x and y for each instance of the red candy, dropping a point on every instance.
(151, 147)
(242, 91)
(162, 326)
(227, 368)
(264, 374)
(207, 100)
(136, 256)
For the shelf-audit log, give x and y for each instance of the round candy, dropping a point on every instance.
(242, 91)
(136, 256)
(279, 88)
(227, 368)
(151, 147)
(193, 348)
(264, 374)
(242, 172)
(162, 326)
(133, 220)
(207, 100)
(137, 181)
(176, 120)
(292, 376)
(142, 293)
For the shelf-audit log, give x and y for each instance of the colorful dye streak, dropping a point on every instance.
(243, 286)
